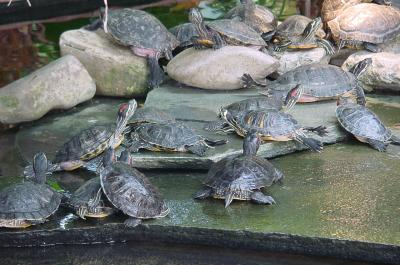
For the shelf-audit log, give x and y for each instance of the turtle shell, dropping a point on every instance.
(236, 32)
(184, 33)
(332, 8)
(131, 192)
(362, 123)
(151, 115)
(28, 201)
(269, 123)
(241, 175)
(294, 26)
(260, 18)
(254, 104)
(173, 136)
(366, 23)
(85, 145)
(317, 80)
(137, 28)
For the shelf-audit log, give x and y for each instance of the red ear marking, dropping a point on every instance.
(123, 107)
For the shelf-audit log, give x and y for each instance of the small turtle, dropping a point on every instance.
(280, 100)
(130, 191)
(171, 137)
(295, 25)
(88, 200)
(185, 33)
(258, 17)
(217, 33)
(365, 26)
(361, 122)
(149, 115)
(305, 40)
(272, 124)
(241, 177)
(90, 143)
(30, 202)
(319, 81)
(145, 35)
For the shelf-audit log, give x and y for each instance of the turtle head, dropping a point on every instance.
(108, 157)
(251, 143)
(40, 166)
(354, 96)
(125, 112)
(125, 157)
(311, 28)
(359, 68)
(195, 16)
(226, 115)
(292, 97)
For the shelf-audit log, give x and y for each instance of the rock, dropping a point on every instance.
(289, 60)
(340, 56)
(61, 84)
(220, 69)
(116, 70)
(383, 74)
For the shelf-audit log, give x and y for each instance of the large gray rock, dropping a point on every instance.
(383, 74)
(116, 70)
(289, 60)
(220, 69)
(61, 84)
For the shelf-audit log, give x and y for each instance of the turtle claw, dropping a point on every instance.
(247, 81)
(320, 130)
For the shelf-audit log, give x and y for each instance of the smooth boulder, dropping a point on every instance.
(383, 74)
(61, 84)
(116, 70)
(220, 69)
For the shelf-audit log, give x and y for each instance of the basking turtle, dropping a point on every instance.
(215, 34)
(272, 124)
(149, 115)
(258, 17)
(363, 123)
(295, 25)
(319, 81)
(30, 202)
(171, 137)
(365, 25)
(130, 191)
(145, 35)
(280, 100)
(88, 200)
(241, 177)
(305, 39)
(90, 143)
(184, 33)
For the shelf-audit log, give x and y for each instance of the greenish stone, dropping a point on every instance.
(9, 102)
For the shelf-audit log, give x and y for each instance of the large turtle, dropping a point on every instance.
(91, 142)
(217, 33)
(319, 81)
(30, 202)
(361, 122)
(272, 124)
(241, 177)
(130, 191)
(258, 17)
(298, 39)
(280, 100)
(171, 137)
(145, 35)
(365, 25)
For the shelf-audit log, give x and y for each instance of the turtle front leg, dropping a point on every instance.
(218, 41)
(201, 43)
(248, 82)
(197, 149)
(326, 45)
(261, 198)
(377, 145)
(372, 47)
(203, 193)
(132, 222)
(320, 130)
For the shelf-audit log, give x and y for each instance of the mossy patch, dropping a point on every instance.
(9, 102)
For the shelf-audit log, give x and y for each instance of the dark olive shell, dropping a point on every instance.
(184, 33)
(255, 103)
(150, 115)
(294, 26)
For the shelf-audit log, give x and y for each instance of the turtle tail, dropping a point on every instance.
(313, 144)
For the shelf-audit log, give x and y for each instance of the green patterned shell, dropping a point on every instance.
(86, 145)
(28, 201)
(150, 115)
(140, 29)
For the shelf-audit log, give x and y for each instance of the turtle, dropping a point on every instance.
(88, 200)
(361, 122)
(217, 33)
(275, 125)
(148, 115)
(305, 39)
(30, 202)
(365, 26)
(295, 25)
(145, 35)
(185, 33)
(170, 137)
(83, 148)
(241, 177)
(319, 81)
(258, 17)
(130, 191)
(280, 100)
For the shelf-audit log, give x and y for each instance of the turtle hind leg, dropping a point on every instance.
(395, 140)
(261, 198)
(311, 143)
(157, 75)
(320, 130)
(211, 142)
(203, 193)
(372, 47)
(132, 222)
(377, 145)
(197, 149)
